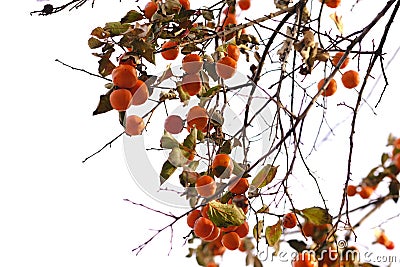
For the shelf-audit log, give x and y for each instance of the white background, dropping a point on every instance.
(56, 211)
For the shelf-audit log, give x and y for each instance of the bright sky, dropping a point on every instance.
(56, 211)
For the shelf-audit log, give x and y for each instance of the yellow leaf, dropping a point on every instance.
(338, 21)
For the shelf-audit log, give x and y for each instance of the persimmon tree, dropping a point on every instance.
(289, 64)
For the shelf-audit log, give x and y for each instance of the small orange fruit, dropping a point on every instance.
(192, 217)
(120, 99)
(233, 51)
(173, 124)
(366, 191)
(351, 190)
(243, 230)
(212, 264)
(150, 9)
(337, 57)
(228, 229)
(203, 227)
(204, 211)
(308, 228)
(226, 67)
(332, 3)
(124, 76)
(229, 20)
(350, 79)
(330, 89)
(134, 125)
(289, 220)
(140, 93)
(231, 240)
(240, 187)
(396, 160)
(214, 234)
(242, 246)
(205, 186)
(197, 116)
(191, 84)
(192, 63)
(244, 4)
(382, 238)
(389, 245)
(170, 50)
(222, 165)
(185, 4)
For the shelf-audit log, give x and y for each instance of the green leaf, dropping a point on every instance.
(104, 104)
(190, 140)
(237, 169)
(168, 141)
(193, 165)
(224, 215)
(384, 158)
(226, 197)
(200, 136)
(212, 91)
(297, 245)
(94, 43)
(116, 28)
(394, 189)
(317, 215)
(273, 233)
(264, 176)
(177, 157)
(166, 171)
(258, 230)
(131, 16)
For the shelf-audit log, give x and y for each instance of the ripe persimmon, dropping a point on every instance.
(192, 63)
(191, 84)
(230, 19)
(332, 3)
(308, 228)
(192, 217)
(203, 227)
(229, 9)
(204, 211)
(222, 165)
(231, 240)
(226, 67)
(337, 57)
(120, 99)
(134, 125)
(197, 116)
(185, 4)
(233, 51)
(243, 230)
(214, 235)
(389, 245)
(124, 76)
(244, 4)
(396, 160)
(205, 186)
(170, 50)
(149, 9)
(382, 238)
(351, 190)
(242, 246)
(366, 191)
(230, 228)
(173, 124)
(140, 93)
(330, 89)
(289, 220)
(350, 79)
(240, 187)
